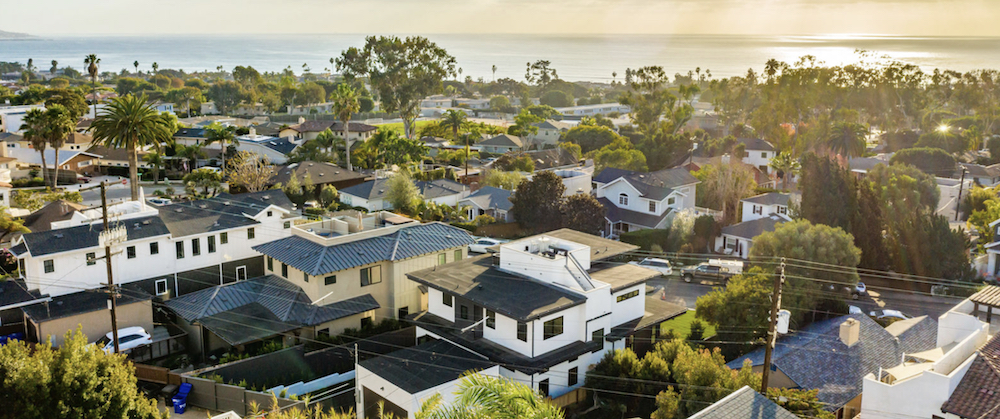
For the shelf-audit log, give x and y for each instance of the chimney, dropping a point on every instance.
(253, 133)
(849, 331)
(302, 119)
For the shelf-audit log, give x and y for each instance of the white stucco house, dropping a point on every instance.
(549, 132)
(640, 200)
(758, 153)
(761, 213)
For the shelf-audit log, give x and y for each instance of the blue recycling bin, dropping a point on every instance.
(180, 399)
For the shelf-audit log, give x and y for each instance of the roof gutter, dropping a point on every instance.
(26, 303)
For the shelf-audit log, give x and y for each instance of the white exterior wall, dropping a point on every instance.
(545, 136)
(635, 200)
(630, 309)
(12, 117)
(914, 398)
(399, 397)
(765, 210)
(450, 200)
(576, 181)
(743, 244)
(435, 305)
(758, 158)
(574, 327)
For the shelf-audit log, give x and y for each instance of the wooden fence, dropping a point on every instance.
(573, 397)
(156, 374)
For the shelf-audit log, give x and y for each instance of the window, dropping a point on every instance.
(288, 224)
(464, 312)
(161, 287)
(574, 376)
(623, 199)
(305, 276)
(223, 238)
(763, 154)
(154, 248)
(330, 280)
(763, 168)
(446, 299)
(270, 263)
(442, 259)
(458, 255)
(403, 312)
(626, 296)
(323, 332)
(491, 319)
(180, 250)
(50, 266)
(597, 335)
(366, 322)
(195, 247)
(211, 244)
(270, 213)
(241, 273)
(250, 234)
(757, 209)
(782, 210)
(552, 328)
(671, 200)
(91, 259)
(543, 387)
(522, 331)
(284, 270)
(372, 275)
(130, 252)
(652, 206)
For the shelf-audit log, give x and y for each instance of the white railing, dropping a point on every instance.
(579, 274)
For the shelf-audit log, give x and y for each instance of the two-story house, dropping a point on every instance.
(549, 133)
(540, 312)
(371, 194)
(503, 143)
(758, 153)
(761, 213)
(308, 130)
(168, 251)
(642, 200)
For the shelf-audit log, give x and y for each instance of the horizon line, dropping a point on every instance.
(829, 35)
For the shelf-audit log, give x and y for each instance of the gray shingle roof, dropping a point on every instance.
(652, 185)
(425, 366)
(244, 311)
(771, 198)
(756, 144)
(553, 157)
(753, 228)
(191, 133)
(552, 124)
(59, 210)
(815, 357)
(615, 214)
(79, 237)
(281, 145)
(407, 242)
(82, 302)
(503, 140)
(744, 403)
(376, 189)
(489, 197)
(14, 292)
(222, 212)
(319, 172)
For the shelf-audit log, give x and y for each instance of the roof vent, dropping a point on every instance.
(381, 191)
(179, 210)
(310, 164)
(320, 174)
(145, 222)
(266, 197)
(59, 235)
(202, 206)
(227, 203)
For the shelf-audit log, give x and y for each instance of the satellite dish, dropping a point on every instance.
(783, 318)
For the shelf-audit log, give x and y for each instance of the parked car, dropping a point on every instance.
(888, 314)
(706, 271)
(483, 244)
(659, 265)
(854, 310)
(128, 338)
(158, 201)
(859, 290)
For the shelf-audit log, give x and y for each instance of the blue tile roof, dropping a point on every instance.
(407, 242)
(815, 357)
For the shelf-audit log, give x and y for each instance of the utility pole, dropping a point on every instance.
(958, 205)
(772, 335)
(107, 238)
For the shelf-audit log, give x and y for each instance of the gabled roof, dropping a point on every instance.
(753, 228)
(254, 309)
(615, 214)
(281, 145)
(553, 157)
(978, 394)
(425, 366)
(353, 127)
(32, 156)
(770, 198)
(10, 136)
(756, 144)
(652, 185)
(552, 124)
(221, 212)
(376, 189)
(404, 243)
(60, 210)
(119, 154)
(85, 236)
(82, 302)
(744, 403)
(191, 133)
(319, 172)
(503, 140)
(489, 197)
(816, 358)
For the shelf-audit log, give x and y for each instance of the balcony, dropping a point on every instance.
(345, 226)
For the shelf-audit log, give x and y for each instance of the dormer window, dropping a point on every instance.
(623, 199)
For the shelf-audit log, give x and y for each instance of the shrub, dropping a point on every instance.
(646, 238)
(484, 220)
(470, 227)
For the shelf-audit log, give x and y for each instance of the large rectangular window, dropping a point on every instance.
(251, 234)
(284, 270)
(154, 248)
(371, 275)
(574, 376)
(195, 247)
(50, 266)
(552, 328)
(446, 299)
(458, 255)
(597, 335)
(91, 259)
(270, 264)
(522, 331)
(130, 251)
(491, 319)
(330, 280)
(211, 244)
(180, 250)
(626, 296)
(223, 238)
(442, 259)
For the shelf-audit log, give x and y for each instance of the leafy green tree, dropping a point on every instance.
(74, 102)
(205, 179)
(76, 380)
(328, 195)
(590, 137)
(976, 200)
(993, 145)
(573, 149)
(537, 203)
(402, 71)
(524, 124)
(402, 193)
(226, 95)
(515, 163)
(724, 186)
(801, 402)
(811, 248)
(620, 155)
(34, 126)
(943, 139)
(541, 73)
(500, 104)
(157, 161)
(222, 135)
(541, 111)
(931, 160)
(390, 148)
(345, 104)
(868, 226)
(649, 99)
(583, 212)
(293, 189)
(131, 123)
(250, 171)
(786, 166)
(133, 86)
(502, 179)
(824, 181)
(191, 153)
(556, 99)
(482, 396)
(736, 310)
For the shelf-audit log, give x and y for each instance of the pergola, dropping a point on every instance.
(989, 297)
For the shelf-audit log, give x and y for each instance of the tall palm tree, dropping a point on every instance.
(54, 68)
(345, 104)
(155, 160)
(222, 135)
(327, 140)
(786, 164)
(130, 122)
(494, 72)
(191, 153)
(59, 124)
(93, 65)
(34, 126)
(481, 396)
(136, 65)
(848, 139)
(156, 68)
(457, 120)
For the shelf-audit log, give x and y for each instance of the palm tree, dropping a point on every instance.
(222, 135)
(787, 165)
(345, 104)
(481, 396)
(327, 140)
(494, 72)
(155, 160)
(136, 65)
(191, 153)
(34, 126)
(156, 68)
(59, 124)
(130, 122)
(848, 139)
(54, 68)
(93, 64)
(456, 120)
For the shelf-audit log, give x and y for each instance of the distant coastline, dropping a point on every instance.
(16, 36)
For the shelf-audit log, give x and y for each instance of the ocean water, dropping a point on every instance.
(575, 57)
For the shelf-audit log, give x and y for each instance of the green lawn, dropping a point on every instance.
(681, 325)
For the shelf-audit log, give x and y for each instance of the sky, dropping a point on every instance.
(737, 17)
